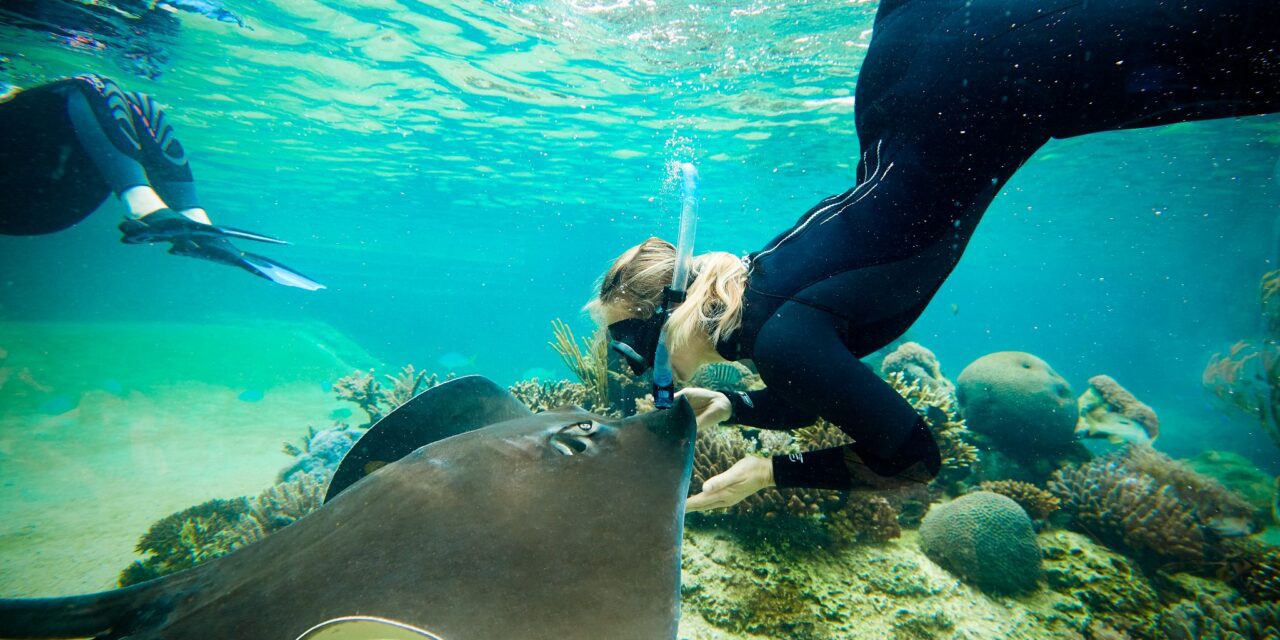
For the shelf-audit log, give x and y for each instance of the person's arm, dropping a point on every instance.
(766, 410)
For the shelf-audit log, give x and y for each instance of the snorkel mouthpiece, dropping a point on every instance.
(664, 385)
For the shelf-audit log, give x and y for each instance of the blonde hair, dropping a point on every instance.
(713, 299)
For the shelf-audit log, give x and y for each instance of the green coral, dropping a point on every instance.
(985, 538)
(184, 539)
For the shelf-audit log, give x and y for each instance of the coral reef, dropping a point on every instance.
(1019, 403)
(717, 449)
(541, 396)
(1105, 583)
(363, 389)
(1129, 511)
(1241, 476)
(1221, 618)
(588, 359)
(865, 519)
(276, 508)
(1038, 503)
(939, 409)
(321, 451)
(1108, 410)
(1247, 376)
(986, 539)
(915, 363)
(184, 539)
(1214, 505)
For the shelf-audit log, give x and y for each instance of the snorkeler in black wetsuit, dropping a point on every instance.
(953, 97)
(67, 145)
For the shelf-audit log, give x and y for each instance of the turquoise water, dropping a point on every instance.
(458, 174)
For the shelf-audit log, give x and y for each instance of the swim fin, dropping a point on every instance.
(220, 250)
(167, 225)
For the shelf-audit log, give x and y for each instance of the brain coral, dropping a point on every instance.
(986, 539)
(1019, 402)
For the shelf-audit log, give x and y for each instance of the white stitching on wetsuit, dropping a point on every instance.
(875, 175)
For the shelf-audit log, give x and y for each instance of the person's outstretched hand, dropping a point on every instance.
(744, 478)
(710, 407)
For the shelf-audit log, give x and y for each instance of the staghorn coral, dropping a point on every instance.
(1129, 511)
(363, 389)
(1019, 403)
(184, 539)
(276, 508)
(985, 538)
(1038, 503)
(1108, 410)
(915, 363)
(1222, 618)
(541, 396)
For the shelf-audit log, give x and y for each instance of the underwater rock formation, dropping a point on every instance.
(1108, 410)
(363, 389)
(1038, 503)
(1129, 511)
(1019, 403)
(1105, 583)
(916, 363)
(985, 538)
(321, 451)
(184, 539)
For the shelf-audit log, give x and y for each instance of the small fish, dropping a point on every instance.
(112, 387)
(57, 405)
(1232, 527)
(955, 309)
(454, 361)
(251, 395)
(1116, 431)
(341, 413)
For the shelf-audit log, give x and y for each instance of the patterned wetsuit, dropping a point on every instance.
(953, 97)
(67, 145)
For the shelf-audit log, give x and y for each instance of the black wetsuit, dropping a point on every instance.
(953, 97)
(67, 145)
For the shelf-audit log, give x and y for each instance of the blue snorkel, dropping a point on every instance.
(664, 385)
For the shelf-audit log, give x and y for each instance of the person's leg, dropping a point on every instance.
(165, 158)
(801, 355)
(101, 117)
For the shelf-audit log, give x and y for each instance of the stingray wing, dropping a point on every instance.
(448, 409)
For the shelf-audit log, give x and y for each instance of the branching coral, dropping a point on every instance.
(363, 389)
(588, 360)
(541, 396)
(1247, 377)
(943, 417)
(716, 450)
(1214, 504)
(1129, 510)
(321, 451)
(184, 539)
(1037, 502)
(276, 508)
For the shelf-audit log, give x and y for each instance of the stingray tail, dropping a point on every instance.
(103, 616)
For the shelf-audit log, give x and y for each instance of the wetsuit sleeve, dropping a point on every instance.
(766, 410)
(802, 357)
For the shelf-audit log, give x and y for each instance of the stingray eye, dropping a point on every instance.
(585, 428)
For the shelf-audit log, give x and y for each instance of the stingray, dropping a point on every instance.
(511, 525)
